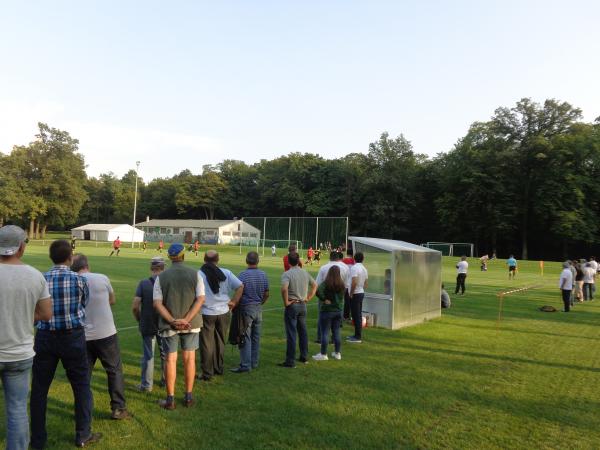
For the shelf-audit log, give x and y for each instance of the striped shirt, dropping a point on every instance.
(255, 284)
(70, 294)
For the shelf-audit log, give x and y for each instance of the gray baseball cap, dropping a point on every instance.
(11, 238)
(157, 261)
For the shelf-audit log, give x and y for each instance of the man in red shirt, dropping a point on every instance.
(309, 255)
(161, 244)
(196, 247)
(286, 264)
(116, 246)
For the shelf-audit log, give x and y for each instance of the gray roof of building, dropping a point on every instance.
(390, 245)
(187, 223)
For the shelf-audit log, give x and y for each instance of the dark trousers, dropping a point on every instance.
(588, 293)
(566, 298)
(107, 351)
(356, 307)
(295, 322)
(330, 320)
(460, 283)
(69, 348)
(347, 304)
(212, 343)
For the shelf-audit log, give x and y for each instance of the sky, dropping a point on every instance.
(177, 85)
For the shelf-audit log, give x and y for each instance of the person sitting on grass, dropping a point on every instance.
(331, 301)
(445, 298)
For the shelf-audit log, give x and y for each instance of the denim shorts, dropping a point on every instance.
(189, 342)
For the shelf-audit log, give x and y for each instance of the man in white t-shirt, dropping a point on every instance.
(24, 297)
(589, 276)
(566, 285)
(101, 334)
(461, 274)
(335, 259)
(359, 277)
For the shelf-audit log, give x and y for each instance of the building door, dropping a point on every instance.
(86, 235)
(188, 237)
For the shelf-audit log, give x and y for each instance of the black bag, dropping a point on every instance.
(237, 329)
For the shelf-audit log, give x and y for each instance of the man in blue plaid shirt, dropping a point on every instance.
(62, 339)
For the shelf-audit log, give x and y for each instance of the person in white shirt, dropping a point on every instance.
(461, 274)
(565, 284)
(216, 315)
(101, 334)
(595, 266)
(273, 250)
(589, 275)
(24, 297)
(359, 277)
(335, 259)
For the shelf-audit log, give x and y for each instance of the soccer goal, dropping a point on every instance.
(452, 248)
(315, 232)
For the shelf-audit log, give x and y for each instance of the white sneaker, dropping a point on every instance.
(337, 355)
(320, 357)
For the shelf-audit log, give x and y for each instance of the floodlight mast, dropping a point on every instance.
(137, 167)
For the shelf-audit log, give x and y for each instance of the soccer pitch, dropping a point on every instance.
(463, 381)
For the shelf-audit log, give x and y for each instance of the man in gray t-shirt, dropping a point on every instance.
(295, 284)
(24, 297)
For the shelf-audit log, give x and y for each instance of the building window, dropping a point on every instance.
(244, 234)
(163, 231)
(236, 233)
(226, 233)
(175, 230)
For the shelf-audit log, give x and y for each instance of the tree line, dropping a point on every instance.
(523, 182)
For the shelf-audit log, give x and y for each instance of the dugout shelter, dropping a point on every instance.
(404, 281)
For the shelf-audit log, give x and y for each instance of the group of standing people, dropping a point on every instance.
(339, 286)
(577, 281)
(462, 268)
(70, 307)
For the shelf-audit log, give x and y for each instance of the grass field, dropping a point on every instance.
(463, 381)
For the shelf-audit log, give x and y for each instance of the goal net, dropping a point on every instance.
(451, 248)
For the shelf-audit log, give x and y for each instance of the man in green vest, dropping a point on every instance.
(178, 297)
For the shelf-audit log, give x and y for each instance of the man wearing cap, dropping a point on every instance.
(255, 294)
(24, 297)
(216, 312)
(101, 334)
(178, 296)
(147, 317)
(62, 338)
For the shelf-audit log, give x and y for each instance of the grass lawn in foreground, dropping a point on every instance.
(462, 381)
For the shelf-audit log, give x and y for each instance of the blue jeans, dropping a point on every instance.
(252, 315)
(69, 347)
(15, 381)
(295, 322)
(148, 343)
(330, 320)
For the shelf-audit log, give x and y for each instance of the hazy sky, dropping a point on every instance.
(182, 84)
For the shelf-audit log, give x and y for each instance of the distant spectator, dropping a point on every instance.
(566, 285)
(594, 265)
(147, 317)
(589, 275)
(24, 297)
(462, 267)
(578, 282)
(101, 334)
(445, 298)
(511, 262)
